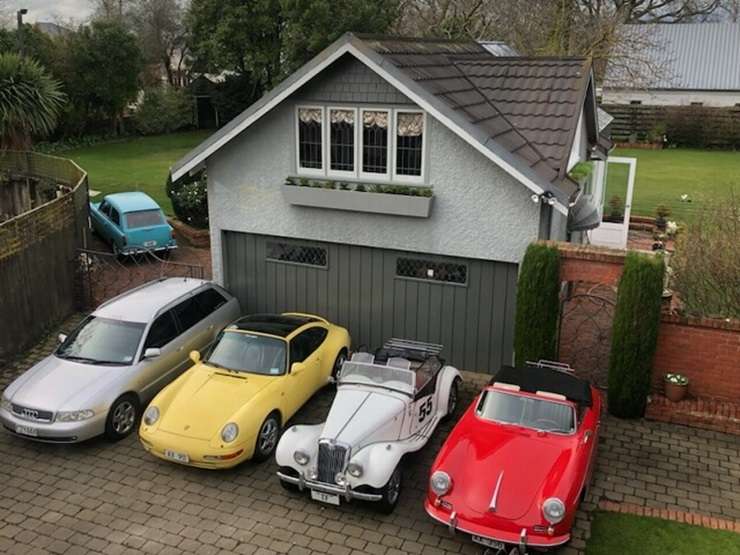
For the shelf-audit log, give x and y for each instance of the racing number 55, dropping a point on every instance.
(425, 409)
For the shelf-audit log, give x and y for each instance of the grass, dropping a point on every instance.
(664, 175)
(629, 534)
(139, 164)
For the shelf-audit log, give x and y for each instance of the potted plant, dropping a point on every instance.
(676, 386)
(661, 216)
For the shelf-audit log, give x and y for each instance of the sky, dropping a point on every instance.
(49, 10)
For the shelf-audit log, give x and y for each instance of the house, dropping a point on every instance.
(698, 64)
(490, 138)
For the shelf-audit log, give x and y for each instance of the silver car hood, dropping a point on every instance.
(57, 384)
(359, 416)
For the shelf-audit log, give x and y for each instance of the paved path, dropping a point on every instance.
(114, 498)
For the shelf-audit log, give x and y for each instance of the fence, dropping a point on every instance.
(38, 248)
(691, 126)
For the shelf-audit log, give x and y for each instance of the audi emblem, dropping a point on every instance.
(30, 413)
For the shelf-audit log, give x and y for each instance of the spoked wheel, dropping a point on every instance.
(122, 417)
(391, 492)
(453, 398)
(267, 438)
(340, 360)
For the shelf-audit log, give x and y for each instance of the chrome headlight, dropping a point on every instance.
(5, 404)
(229, 433)
(440, 482)
(301, 457)
(74, 415)
(340, 479)
(151, 415)
(355, 469)
(554, 510)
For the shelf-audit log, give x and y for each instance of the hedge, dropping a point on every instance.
(189, 198)
(537, 305)
(635, 334)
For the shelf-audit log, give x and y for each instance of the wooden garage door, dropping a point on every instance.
(465, 304)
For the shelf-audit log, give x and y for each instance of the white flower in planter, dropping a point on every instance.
(671, 228)
(678, 379)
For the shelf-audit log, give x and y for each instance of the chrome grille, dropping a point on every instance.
(28, 413)
(332, 459)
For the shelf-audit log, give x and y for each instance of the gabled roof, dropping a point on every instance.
(521, 113)
(691, 56)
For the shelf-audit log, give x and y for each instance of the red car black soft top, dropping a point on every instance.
(533, 379)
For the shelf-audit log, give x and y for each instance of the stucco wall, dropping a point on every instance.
(672, 98)
(479, 210)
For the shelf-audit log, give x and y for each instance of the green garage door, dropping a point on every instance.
(465, 304)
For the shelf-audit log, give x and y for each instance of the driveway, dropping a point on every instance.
(100, 497)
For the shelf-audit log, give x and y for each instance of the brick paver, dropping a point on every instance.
(99, 497)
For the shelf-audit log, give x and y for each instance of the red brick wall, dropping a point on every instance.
(590, 264)
(706, 351)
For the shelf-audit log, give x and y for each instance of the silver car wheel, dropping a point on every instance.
(452, 402)
(394, 486)
(124, 416)
(268, 435)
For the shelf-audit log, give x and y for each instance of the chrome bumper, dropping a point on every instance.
(332, 489)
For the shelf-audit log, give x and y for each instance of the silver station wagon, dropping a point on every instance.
(101, 375)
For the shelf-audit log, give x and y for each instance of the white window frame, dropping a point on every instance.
(416, 179)
(357, 151)
(370, 176)
(300, 169)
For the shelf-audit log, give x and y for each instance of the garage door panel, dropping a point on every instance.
(360, 290)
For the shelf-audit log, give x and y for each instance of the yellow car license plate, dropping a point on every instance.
(177, 457)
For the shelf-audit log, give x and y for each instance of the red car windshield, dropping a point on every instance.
(526, 411)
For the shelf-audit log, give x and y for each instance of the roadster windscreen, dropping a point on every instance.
(376, 374)
(102, 341)
(143, 218)
(526, 411)
(254, 354)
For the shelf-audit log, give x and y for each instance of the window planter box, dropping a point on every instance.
(376, 203)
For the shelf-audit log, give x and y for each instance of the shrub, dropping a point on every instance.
(537, 304)
(189, 198)
(635, 334)
(163, 110)
(706, 265)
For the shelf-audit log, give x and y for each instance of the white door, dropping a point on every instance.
(617, 203)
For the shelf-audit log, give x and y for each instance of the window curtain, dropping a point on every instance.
(309, 115)
(343, 116)
(410, 125)
(377, 119)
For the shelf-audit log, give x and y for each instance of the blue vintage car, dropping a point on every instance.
(132, 223)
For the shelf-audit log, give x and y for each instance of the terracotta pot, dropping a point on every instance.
(675, 392)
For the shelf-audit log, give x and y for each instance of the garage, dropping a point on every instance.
(465, 304)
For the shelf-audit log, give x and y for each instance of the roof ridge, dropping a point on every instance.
(380, 36)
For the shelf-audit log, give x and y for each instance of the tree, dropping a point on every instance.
(161, 31)
(103, 68)
(36, 44)
(30, 101)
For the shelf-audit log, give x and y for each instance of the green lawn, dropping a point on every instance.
(664, 175)
(628, 534)
(139, 164)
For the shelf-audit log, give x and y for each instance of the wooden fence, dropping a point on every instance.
(38, 250)
(689, 126)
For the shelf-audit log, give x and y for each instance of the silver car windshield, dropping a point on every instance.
(243, 352)
(380, 375)
(537, 414)
(103, 341)
(143, 218)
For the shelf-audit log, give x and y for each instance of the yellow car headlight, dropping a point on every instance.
(229, 433)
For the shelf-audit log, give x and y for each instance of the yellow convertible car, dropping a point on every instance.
(231, 406)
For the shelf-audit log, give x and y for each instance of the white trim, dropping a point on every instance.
(388, 159)
(311, 172)
(342, 173)
(413, 179)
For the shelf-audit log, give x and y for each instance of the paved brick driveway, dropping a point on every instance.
(114, 498)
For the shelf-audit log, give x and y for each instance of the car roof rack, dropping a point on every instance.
(552, 365)
(419, 347)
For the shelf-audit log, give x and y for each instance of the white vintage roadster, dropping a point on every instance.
(387, 405)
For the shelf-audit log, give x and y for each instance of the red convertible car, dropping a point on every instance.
(516, 465)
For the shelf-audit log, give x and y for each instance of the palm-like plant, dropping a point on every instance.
(30, 101)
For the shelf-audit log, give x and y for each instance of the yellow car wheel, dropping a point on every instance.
(267, 437)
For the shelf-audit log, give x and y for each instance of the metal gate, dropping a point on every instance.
(103, 275)
(585, 329)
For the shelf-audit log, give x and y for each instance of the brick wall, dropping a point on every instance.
(589, 264)
(706, 351)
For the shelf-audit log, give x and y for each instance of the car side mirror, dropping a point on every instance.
(195, 356)
(297, 368)
(152, 352)
(61, 338)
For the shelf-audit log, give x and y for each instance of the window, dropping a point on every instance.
(297, 254)
(114, 217)
(163, 330)
(342, 140)
(188, 313)
(209, 301)
(105, 208)
(409, 143)
(375, 142)
(529, 412)
(446, 272)
(310, 138)
(143, 218)
(306, 343)
(102, 341)
(254, 354)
